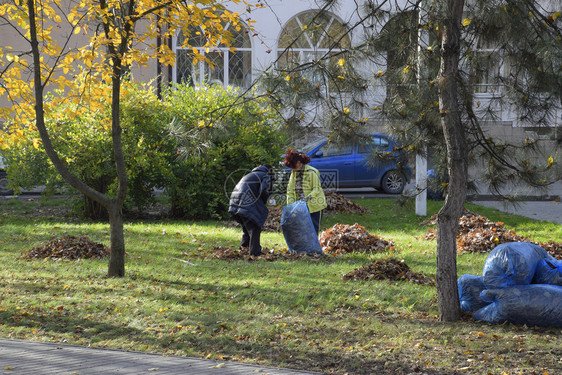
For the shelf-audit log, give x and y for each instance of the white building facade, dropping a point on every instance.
(278, 28)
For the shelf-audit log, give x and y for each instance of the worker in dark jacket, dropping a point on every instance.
(248, 205)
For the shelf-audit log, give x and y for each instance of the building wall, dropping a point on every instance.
(269, 24)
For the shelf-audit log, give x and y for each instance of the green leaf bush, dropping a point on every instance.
(188, 144)
(220, 136)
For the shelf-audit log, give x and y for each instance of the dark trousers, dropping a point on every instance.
(251, 236)
(316, 219)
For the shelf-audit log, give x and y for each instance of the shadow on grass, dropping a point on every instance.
(274, 351)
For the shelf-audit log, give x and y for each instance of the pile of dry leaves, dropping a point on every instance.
(337, 204)
(553, 248)
(343, 238)
(477, 234)
(390, 269)
(273, 222)
(69, 247)
(230, 253)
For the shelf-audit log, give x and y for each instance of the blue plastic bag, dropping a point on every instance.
(533, 305)
(470, 287)
(298, 229)
(548, 272)
(513, 263)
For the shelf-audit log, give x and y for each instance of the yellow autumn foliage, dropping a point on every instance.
(103, 36)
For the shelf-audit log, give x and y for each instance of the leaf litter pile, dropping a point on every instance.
(230, 253)
(343, 238)
(338, 204)
(390, 269)
(477, 234)
(69, 247)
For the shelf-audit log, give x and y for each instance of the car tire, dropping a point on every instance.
(4, 190)
(393, 182)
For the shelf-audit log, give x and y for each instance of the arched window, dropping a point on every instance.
(229, 67)
(310, 36)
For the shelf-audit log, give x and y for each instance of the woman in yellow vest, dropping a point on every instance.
(304, 184)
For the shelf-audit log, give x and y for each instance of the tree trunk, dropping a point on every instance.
(113, 206)
(116, 266)
(115, 209)
(448, 216)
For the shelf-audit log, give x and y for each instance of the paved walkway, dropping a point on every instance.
(19, 357)
(547, 211)
(547, 206)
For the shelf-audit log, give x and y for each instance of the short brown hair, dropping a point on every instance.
(293, 157)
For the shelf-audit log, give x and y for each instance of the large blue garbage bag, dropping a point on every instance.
(470, 287)
(513, 263)
(533, 305)
(298, 229)
(548, 272)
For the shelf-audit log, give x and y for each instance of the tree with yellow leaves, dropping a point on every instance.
(73, 49)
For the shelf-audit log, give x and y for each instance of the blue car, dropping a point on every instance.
(348, 166)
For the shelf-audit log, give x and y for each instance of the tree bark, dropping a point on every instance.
(448, 216)
(116, 267)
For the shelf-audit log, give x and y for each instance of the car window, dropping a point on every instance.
(312, 145)
(377, 144)
(332, 149)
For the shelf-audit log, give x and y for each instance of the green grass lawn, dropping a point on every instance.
(288, 313)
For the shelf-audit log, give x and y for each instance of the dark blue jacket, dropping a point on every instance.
(249, 197)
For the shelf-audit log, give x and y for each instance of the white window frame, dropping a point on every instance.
(484, 88)
(199, 71)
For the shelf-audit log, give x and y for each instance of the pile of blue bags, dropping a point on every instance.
(521, 283)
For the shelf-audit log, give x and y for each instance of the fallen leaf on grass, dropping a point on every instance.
(230, 253)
